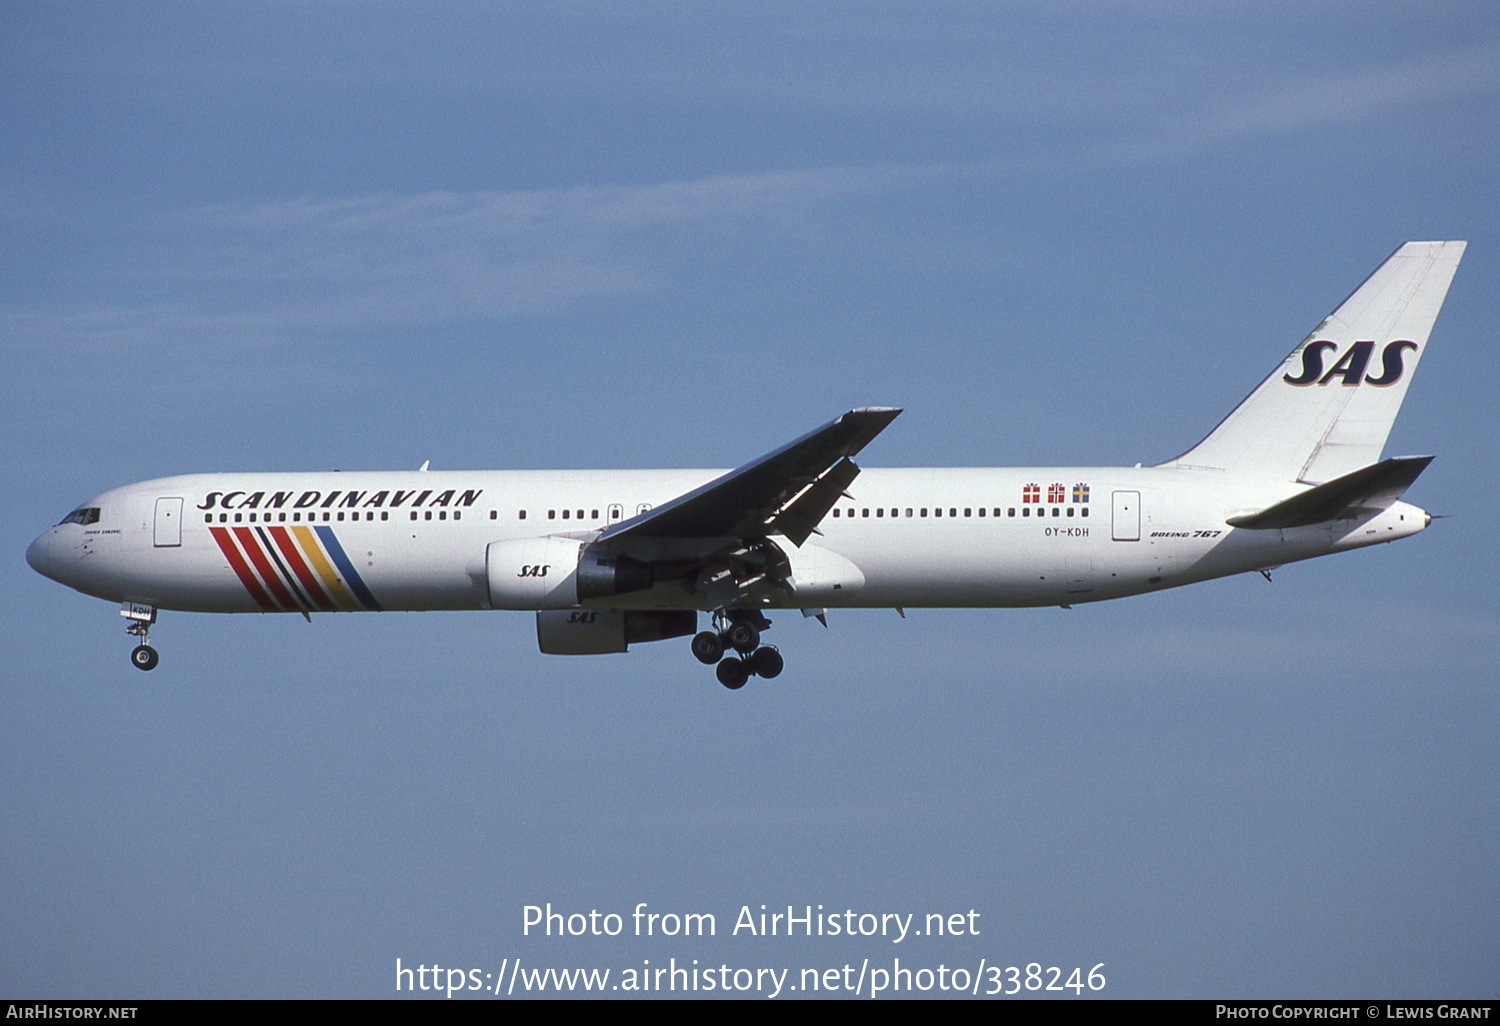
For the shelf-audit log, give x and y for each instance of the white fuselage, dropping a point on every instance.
(934, 537)
(611, 558)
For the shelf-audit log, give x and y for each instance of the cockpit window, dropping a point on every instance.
(87, 515)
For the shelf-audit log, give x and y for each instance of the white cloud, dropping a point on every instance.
(1293, 104)
(491, 252)
(242, 272)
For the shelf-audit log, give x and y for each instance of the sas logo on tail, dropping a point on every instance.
(1350, 368)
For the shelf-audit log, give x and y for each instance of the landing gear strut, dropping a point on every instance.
(141, 617)
(738, 630)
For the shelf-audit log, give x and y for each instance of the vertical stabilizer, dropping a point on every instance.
(1327, 410)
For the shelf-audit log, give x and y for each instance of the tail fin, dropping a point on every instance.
(1327, 410)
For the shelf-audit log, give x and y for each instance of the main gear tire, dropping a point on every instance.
(767, 662)
(708, 647)
(742, 637)
(732, 673)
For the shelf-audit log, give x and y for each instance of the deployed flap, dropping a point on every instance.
(803, 516)
(740, 503)
(1374, 487)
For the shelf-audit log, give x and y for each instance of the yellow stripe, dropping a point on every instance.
(314, 554)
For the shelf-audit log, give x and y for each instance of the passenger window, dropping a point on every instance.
(385, 514)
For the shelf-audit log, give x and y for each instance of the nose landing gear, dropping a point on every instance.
(141, 617)
(738, 630)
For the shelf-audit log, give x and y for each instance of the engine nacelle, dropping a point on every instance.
(605, 574)
(533, 573)
(552, 572)
(598, 631)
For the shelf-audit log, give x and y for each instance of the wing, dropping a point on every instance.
(787, 492)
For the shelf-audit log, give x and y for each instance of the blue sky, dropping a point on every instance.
(303, 236)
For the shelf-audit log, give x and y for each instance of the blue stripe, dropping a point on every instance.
(351, 576)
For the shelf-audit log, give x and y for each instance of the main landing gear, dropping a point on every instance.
(738, 631)
(141, 617)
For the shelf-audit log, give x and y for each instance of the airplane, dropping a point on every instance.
(612, 558)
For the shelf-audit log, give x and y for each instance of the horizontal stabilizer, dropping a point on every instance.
(1371, 488)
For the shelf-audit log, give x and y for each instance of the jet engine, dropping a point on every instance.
(555, 572)
(597, 631)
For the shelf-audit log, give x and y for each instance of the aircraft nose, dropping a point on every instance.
(39, 554)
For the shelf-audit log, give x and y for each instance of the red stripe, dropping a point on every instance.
(304, 573)
(267, 571)
(226, 545)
